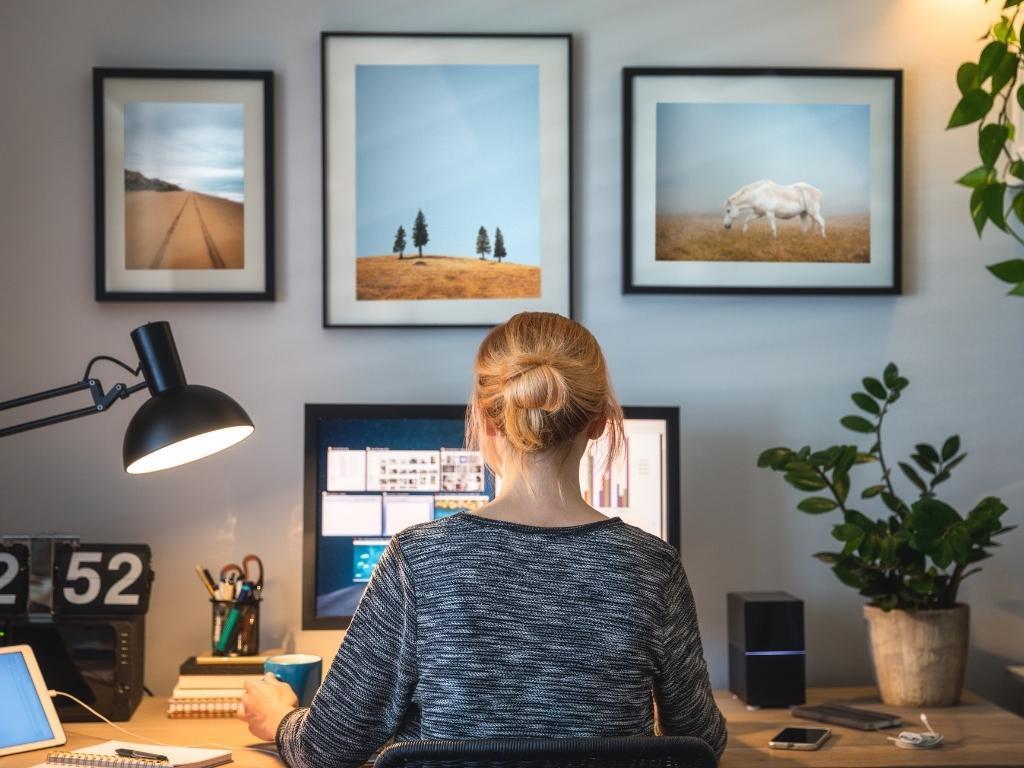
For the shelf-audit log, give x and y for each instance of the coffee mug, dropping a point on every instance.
(301, 671)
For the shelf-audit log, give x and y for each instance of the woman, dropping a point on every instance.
(534, 616)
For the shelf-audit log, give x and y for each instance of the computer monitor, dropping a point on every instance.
(373, 470)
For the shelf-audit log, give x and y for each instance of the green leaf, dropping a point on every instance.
(866, 402)
(968, 76)
(1011, 271)
(991, 140)
(1001, 30)
(1016, 168)
(874, 388)
(1017, 290)
(894, 503)
(1020, 96)
(841, 484)
(871, 491)
(912, 475)
(816, 505)
(846, 575)
(827, 557)
(774, 458)
(992, 56)
(972, 179)
(901, 384)
(1004, 73)
(923, 463)
(973, 106)
(1011, 3)
(941, 477)
(993, 198)
(805, 482)
(857, 424)
(890, 374)
(952, 444)
(978, 215)
(1018, 206)
(928, 452)
(955, 461)
(847, 532)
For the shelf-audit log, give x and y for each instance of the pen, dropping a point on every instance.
(208, 585)
(134, 753)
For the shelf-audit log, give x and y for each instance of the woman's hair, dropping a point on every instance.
(540, 380)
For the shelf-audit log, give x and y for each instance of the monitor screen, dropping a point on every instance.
(373, 470)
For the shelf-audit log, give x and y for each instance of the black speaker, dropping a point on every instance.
(766, 648)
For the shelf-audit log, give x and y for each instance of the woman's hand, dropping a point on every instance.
(264, 705)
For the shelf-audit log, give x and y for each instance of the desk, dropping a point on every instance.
(978, 735)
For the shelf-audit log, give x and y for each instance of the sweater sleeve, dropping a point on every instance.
(682, 689)
(369, 686)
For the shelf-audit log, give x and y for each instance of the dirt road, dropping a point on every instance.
(182, 230)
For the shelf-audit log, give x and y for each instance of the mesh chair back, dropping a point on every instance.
(624, 752)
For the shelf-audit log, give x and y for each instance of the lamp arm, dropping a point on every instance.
(101, 400)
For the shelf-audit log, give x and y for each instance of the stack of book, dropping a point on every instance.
(212, 686)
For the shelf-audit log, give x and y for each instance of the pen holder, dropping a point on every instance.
(235, 627)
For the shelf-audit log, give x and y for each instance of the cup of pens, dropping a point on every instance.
(235, 607)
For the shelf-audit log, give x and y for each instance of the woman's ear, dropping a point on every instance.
(596, 428)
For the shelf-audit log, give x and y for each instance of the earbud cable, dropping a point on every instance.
(54, 694)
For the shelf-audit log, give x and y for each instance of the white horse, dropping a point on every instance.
(775, 201)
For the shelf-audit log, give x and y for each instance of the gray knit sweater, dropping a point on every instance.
(476, 628)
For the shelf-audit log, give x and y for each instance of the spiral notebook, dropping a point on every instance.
(104, 756)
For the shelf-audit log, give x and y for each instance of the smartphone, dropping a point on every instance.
(800, 738)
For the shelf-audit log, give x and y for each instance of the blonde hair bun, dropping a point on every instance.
(541, 380)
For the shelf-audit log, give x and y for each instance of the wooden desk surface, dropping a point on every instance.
(977, 735)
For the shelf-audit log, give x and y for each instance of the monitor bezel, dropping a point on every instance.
(315, 412)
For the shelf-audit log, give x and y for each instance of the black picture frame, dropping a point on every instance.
(316, 412)
(631, 284)
(563, 305)
(260, 285)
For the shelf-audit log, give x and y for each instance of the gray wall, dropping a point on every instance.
(749, 372)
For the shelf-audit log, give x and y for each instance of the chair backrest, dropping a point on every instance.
(623, 752)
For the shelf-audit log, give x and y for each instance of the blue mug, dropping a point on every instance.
(302, 671)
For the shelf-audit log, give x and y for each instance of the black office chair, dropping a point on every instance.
(622, 752)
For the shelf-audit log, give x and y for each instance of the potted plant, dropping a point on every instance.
(991, 97)
(911, 560)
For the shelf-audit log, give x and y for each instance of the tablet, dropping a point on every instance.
(29, 720)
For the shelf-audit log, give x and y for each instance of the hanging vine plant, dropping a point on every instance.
(990, 97)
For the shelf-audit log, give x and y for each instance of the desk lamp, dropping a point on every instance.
(180, 422)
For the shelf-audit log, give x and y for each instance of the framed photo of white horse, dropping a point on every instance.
(447, 177)
(762, 180)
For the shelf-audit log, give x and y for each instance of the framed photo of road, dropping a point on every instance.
(184, 184)
(761, 180)
(447, 178)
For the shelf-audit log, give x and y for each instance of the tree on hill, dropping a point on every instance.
(483, 243)
(419, 232)
(399, 246)
(499, 245)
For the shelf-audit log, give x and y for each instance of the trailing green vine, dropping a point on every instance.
(987, 90)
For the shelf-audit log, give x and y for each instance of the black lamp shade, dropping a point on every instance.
(182, 424)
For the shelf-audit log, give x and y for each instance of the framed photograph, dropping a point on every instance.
(447, 178)
(184, 184)
(761, 180)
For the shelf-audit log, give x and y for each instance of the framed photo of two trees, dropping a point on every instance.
(447, 178)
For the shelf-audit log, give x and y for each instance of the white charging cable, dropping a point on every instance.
(54, 694)
(912, 740)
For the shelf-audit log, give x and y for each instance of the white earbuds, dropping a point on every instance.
(912, 740)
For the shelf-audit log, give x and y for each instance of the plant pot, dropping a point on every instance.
(919, 656)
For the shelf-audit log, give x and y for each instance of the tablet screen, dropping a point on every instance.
(23, 721)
